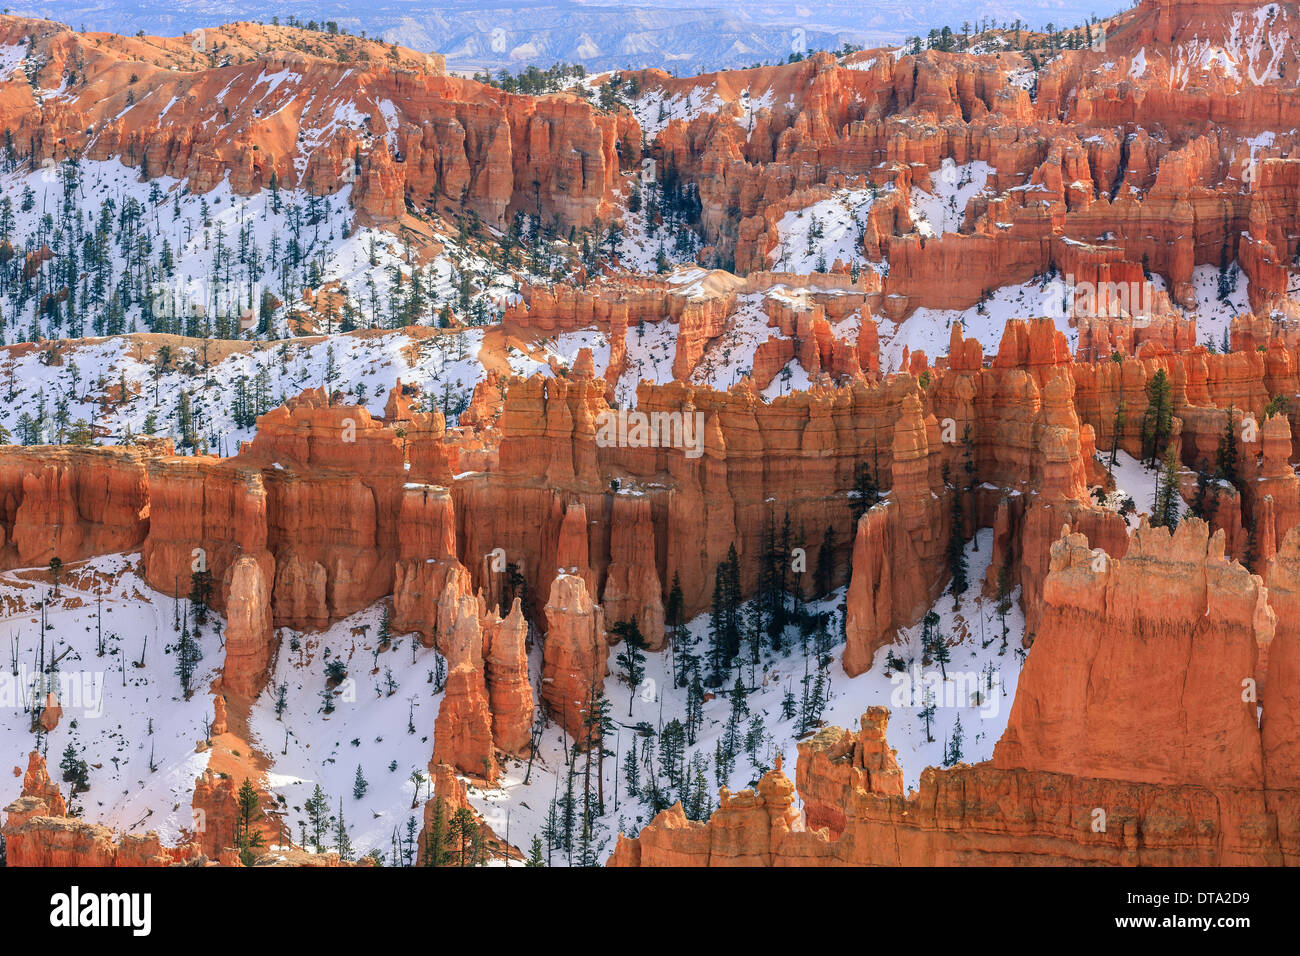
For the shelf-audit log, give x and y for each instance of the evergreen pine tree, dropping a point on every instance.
(1225, 459)
(866, 488)
(342, 842)
(953, 752)
(632, 770)
(188, 655)
(1199, 503)
(788, 705)
(463, 829)
(673, 623)
(694, 706)
(1004, 598)
(825, 577)
(1172, 503)
(200, 594)
(318, 810)
(942, 655)
(1157, 422)
(927, 715)
(535, 853)
(631, 656)
(436, 836)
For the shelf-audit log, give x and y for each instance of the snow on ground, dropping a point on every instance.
(11, 55)
(992, 671)
(369, 728)
(929, 329)
(793, 377)
(972, 670)
(731, 355)
(250, 236)
(564, 347)
(365, 367)
(121, 718)
(812, 238)
(651, 348)
(644, 244)
(1213, 317)
(654, 111)
(1138, 68)
(1133, 480)
(944, 210)
(859, 64)
(1023, 79)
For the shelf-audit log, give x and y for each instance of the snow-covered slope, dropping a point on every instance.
(130, 722)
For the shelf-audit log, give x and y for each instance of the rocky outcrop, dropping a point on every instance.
(72, 503)
(37, 784)
(1173, 610)
(427, 564)
(38, 832)
(462, 733)
(574, 654)
(510, 695)
(249, 634)
(749, 828)
(896, 571)
(216, 812)
(449, 798)
(633, 590)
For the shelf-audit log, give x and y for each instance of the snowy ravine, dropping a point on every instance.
(121, 718)
(944, 209)
(384, 712)
(386, 693)
(522, 809)
(1133, 480)
(817, 236)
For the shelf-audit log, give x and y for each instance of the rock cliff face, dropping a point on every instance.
(632, 589)
(1173, 638)
(410, 135)
(1163, 638)
(71, 503)
(510, 695)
